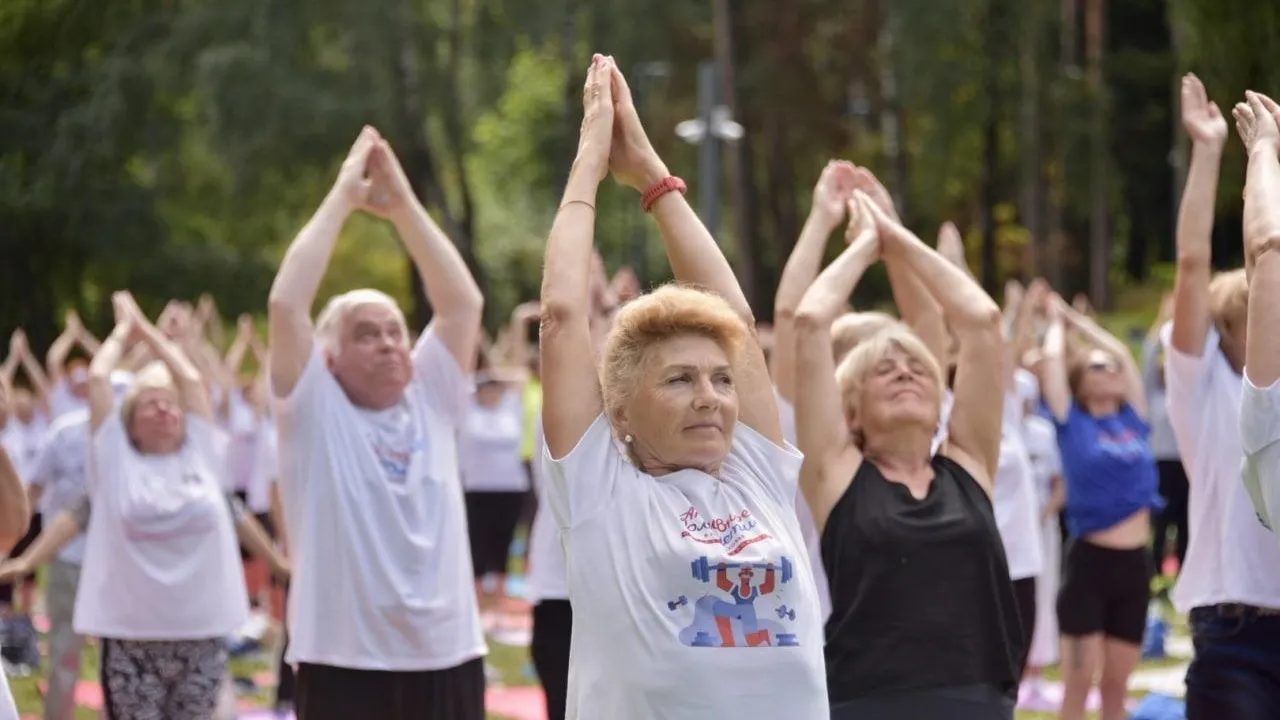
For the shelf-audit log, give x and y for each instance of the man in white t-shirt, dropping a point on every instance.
(382, 614)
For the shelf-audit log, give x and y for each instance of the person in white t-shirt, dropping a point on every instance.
(494, 477)
(69, 376)
(1041, 439)
(1233, 605)
(160, 583)
(23, 436)
(383, 619)
(15, 515)
(685, 562)
(1260, 407)
(57, 483)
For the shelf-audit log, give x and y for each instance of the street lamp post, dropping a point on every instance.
(642, 76)
(713, 126)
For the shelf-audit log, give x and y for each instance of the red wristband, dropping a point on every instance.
(662, 187)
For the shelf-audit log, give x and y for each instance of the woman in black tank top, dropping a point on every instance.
(924, 623)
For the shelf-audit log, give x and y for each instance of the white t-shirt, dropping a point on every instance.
(489, 441)
(23, 442)
(546, 572)
(1041, 439)
(8, 710)
(1014, 497)
(1260, 433)
(377, 527)
(161, 560)
(1228, 545)
(61, 472)
(652, 610)
(266, 466)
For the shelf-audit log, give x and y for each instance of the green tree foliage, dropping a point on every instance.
(175, 147)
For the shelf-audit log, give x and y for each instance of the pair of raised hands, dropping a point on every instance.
(612, 138)
(1257, 118)
(371, 178)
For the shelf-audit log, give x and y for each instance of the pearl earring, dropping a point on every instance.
(627, 439)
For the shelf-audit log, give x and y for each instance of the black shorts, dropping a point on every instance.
(1104, 591)
(1024, 593)
(552, 631)
(325, 692)
(491, 524)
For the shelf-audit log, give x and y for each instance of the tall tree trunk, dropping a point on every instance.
(891, 120)
(416, 154)
(1032, 183)
(991, 144)
(1099, 232)
(1056, 220)
(464, 235)
(747, 265)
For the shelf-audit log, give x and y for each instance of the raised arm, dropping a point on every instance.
(15, 514)
(518, 332)
(21, 347)
(695, 257)
(830, 198)
(304, 265)
(55, 360)
(456, 302)
(821, 430)
(975, 319)
(571, 390)
(102, 399)
(1054, 386)
(1208, 130)
(1257, 123)
(1135, 391)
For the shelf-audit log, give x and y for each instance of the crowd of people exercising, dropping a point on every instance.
(847, 514)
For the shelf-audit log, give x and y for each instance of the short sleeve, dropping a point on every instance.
(776, 468)
(787, 417)
(448, 388)
(583, 482)
(1186, 380)
(1260, 441)
(305, 397)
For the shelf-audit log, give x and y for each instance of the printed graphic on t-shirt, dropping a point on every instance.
(395, 461)
(736, 599)
(1122, 443)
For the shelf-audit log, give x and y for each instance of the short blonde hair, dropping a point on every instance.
(1228, 298)
(154, 376)
(852, 328)
(852, 372)
(329, 321)
(670, 311)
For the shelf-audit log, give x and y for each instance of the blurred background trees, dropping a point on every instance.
(175, 146)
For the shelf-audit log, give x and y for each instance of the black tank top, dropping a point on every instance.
(920, 589)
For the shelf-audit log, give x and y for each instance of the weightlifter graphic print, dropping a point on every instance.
(740, 600)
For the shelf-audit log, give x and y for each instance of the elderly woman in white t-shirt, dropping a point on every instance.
(668, 478)
(161, 583)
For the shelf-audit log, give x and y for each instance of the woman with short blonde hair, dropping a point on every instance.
(668, 477)
(905, 530)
